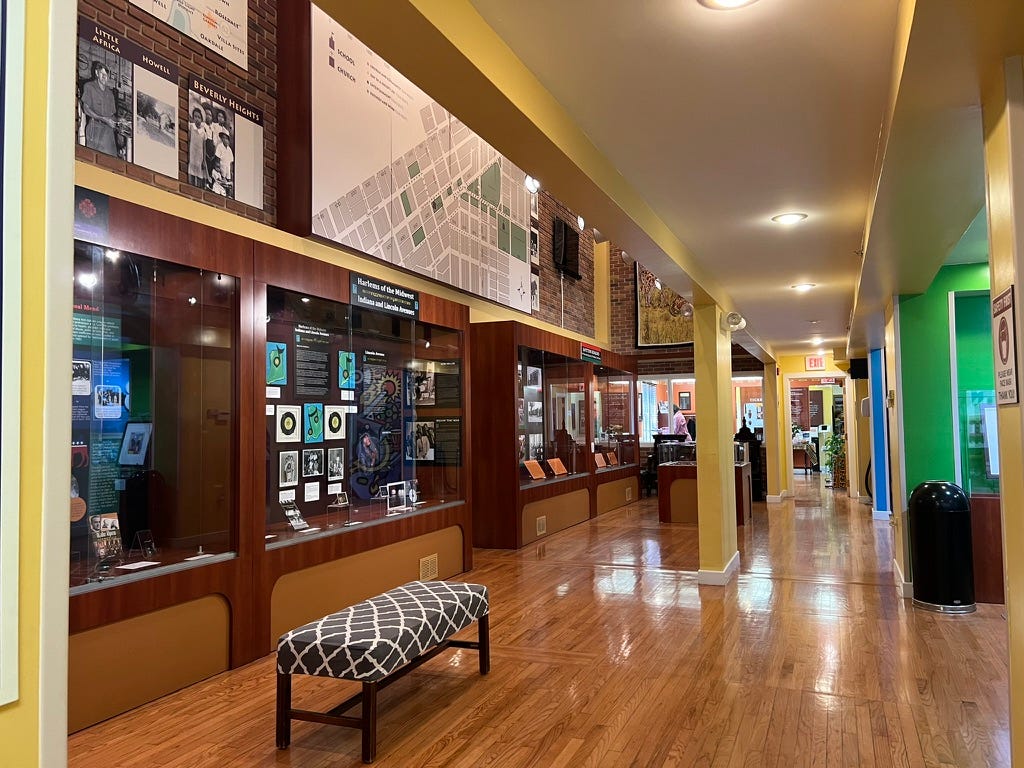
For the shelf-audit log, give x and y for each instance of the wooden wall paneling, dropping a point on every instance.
(438, 311)
(258, 460)
(295, 272)
(987, 545)
(294, 118)
(549, 490)
(493, 438)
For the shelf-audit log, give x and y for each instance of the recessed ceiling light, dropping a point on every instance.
(816, 340)
(725, 5)
(802, 287)
(786, 219)
(814, 322)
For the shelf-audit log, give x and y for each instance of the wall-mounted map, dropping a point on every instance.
(220, 25)
(395, 175)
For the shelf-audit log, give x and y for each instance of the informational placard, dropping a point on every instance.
(448, 441)
(589, 353)
(403, 180)
(225, 144)
(447, 384)
(220, 25)
(1004, 337)
(127, 100)
(380, 296)
(312, 361)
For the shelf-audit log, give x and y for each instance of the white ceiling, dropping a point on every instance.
(721, 119)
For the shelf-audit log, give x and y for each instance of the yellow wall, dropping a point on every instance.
(772, 421)
(1004, 138)
(898, 502)
(862, 425)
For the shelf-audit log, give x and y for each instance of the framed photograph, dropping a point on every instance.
(534, 247)
(661, 320)
(533, 377)
(534, 412)
(534, 292)
(288, 469)
(135, 444)
(533, 205)
(396, 496)
(684, 401)
(335, 464)
(312, 462)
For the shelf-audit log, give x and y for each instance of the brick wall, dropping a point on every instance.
(257, 87)
(578, 294)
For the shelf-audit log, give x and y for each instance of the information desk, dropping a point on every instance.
(677, 492)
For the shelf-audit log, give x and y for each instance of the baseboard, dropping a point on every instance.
(865, 499)
(904, 587)
(720, 578)
(880, 514)
(780, 498)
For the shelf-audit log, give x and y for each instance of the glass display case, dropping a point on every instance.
(551, 415)
(154, 383)
(979, 441)
(364, 417)
(615, 439)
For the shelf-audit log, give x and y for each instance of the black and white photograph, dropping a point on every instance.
(532, 376)
(312, 462)
(534, 412)
(127, 105)
(396, 495)
(335, 464)
(225, 144)
(107, 402)
(534, 247)
(81, 377)
(423, 387)
(288, 469)
(288, 429)
(424, 440)
(535, 447)
(534, 292)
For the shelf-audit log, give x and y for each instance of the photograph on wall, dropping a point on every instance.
(663, 317)
(346, 370)
(335, 464)
(532, 377)
(421, 386)
(288, 424)
(135, 444)
(534, 292)
(334, 422)
(534, 247)
(534, 412)
(277, 364)
(225, 144)
(127, 100)
(81, 377)
(535, 447)
(220, 25)
(312, 462)
(288, 469)
(424, 440)
(313, 423)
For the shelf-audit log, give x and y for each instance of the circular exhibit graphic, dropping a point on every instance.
(1004, 341)
(288, 423)
(334, 422)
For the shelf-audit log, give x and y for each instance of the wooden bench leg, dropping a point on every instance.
(369, 722)
(484, 639)
(284, 705)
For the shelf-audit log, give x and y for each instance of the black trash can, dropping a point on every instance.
(940, 548)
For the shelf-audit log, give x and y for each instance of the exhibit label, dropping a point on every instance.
(589, 353)
(380, 296)
(1004, 337)
(220, 25)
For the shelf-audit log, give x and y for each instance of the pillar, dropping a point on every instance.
(716, 479)
(774, 491)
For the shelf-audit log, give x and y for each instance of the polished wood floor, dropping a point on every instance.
(607, 653)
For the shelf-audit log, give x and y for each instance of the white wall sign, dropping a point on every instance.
(1004, 338)
(220, 25)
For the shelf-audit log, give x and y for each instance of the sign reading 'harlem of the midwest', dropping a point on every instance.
(384, 297)
(220, 25)
(1004, 337)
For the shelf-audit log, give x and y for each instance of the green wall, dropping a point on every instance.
(976, 385)
(925, 370)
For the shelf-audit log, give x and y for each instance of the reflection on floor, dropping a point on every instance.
(607, 653)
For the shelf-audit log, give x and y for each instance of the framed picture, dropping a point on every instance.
(135, 444)
(684, 401)
(661, 320)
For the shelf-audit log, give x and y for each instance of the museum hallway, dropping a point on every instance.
(605, 652)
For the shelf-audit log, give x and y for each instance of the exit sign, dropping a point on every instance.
(814, 363)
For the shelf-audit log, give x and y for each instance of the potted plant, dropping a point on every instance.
(833, 447)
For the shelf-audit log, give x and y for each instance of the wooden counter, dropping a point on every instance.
(677, 492)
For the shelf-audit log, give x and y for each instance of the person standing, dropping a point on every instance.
(197, 149)
(679, 423)
(100, 107)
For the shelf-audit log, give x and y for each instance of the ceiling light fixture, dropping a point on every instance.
(657, 283)
(305, 299)
(788, 219)
(113, 255)
(580, 222)
(87, 280)
(532, 185)
(816, 340)
(802, 287)
(192, 301)
(725, 5)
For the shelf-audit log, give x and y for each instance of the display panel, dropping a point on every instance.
(154, 469)
(551, 414)
(364, 416)
(615, 438)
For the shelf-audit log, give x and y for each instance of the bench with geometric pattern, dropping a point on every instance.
(376, 642)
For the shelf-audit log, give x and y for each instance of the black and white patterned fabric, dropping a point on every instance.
(372, 639)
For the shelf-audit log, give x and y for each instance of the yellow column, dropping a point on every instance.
(716, 479)
(1003, 120)
(771, 431)
(602, 295)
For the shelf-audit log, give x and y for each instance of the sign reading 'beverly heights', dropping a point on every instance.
(384, 297)
(1004, 337)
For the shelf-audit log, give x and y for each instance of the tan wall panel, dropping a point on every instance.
(561, 511)
(617, 494)
(170, 649)
(306, 595)
(683, 500)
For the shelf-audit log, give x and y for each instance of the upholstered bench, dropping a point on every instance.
(376, 642)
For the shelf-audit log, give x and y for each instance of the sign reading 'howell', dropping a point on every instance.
(1004, 337)
(377, 295)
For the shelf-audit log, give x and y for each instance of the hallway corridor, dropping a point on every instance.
(605, 652)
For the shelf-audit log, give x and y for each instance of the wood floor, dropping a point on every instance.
(605, 652)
